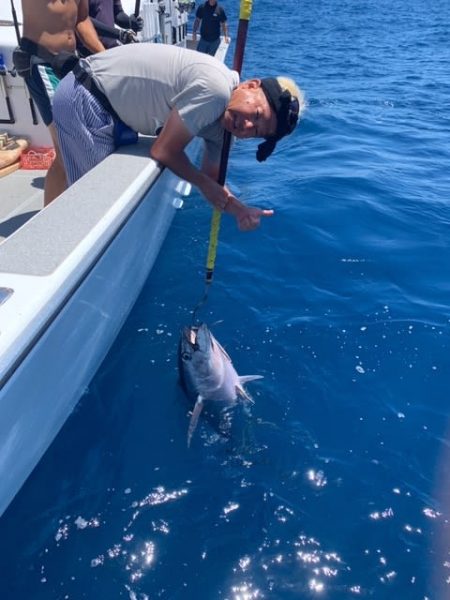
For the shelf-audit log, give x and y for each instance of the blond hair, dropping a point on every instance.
(289, 84)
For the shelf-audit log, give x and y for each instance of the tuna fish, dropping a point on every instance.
(207, 374)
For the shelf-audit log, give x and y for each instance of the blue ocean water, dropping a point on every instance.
(338, 487)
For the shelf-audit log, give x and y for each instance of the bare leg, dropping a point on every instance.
(55, 181)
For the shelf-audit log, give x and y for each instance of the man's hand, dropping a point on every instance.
(136, 23)
(216, 195)
(127, 36)
(247, 217)
(251, 218)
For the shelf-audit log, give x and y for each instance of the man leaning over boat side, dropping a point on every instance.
(49, 29)
(146, 87)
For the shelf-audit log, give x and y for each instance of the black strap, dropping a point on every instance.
(86, 79)
(62, 63)
(31, 47)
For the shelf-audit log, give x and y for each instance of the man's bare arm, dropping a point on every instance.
(168, 149)
(195, 28)
(86, 30)
(225, 31)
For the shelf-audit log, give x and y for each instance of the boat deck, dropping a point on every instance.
(22, 192)
(21, 197)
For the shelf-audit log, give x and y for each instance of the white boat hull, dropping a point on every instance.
(70, 317)
(68, 279)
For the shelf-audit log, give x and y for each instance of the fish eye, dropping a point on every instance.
(186, 356)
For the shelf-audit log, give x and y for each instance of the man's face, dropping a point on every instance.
(248, 113)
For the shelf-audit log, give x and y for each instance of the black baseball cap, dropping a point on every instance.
(286, 108)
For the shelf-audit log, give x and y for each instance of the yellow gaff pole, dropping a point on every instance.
(244, 18)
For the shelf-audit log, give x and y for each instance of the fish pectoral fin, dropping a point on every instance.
(194, 418)
(243, 394)
(246, 378)
(240, 389)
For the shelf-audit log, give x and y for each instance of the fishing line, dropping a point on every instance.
(244, 18)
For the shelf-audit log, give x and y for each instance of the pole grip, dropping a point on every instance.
(245, 10)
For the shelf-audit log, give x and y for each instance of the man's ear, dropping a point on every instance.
(251, 84)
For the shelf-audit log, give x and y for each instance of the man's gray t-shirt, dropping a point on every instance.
(143, 82)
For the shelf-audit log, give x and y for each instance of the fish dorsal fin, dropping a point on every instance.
(246, 378)
(224, 352)
(194, 418)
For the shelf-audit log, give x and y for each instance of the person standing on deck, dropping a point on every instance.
(104, 15)
(210, 16)
(150, 87)
(50, 28)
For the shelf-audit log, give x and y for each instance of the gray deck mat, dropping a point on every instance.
(41, 245)
(21, 197)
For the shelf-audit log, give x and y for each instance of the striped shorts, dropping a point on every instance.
(42, 84)
(85, 129)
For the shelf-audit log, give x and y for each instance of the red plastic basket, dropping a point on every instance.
(37, 158)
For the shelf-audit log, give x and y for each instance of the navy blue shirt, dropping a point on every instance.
(106, 11)
(211, 17)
